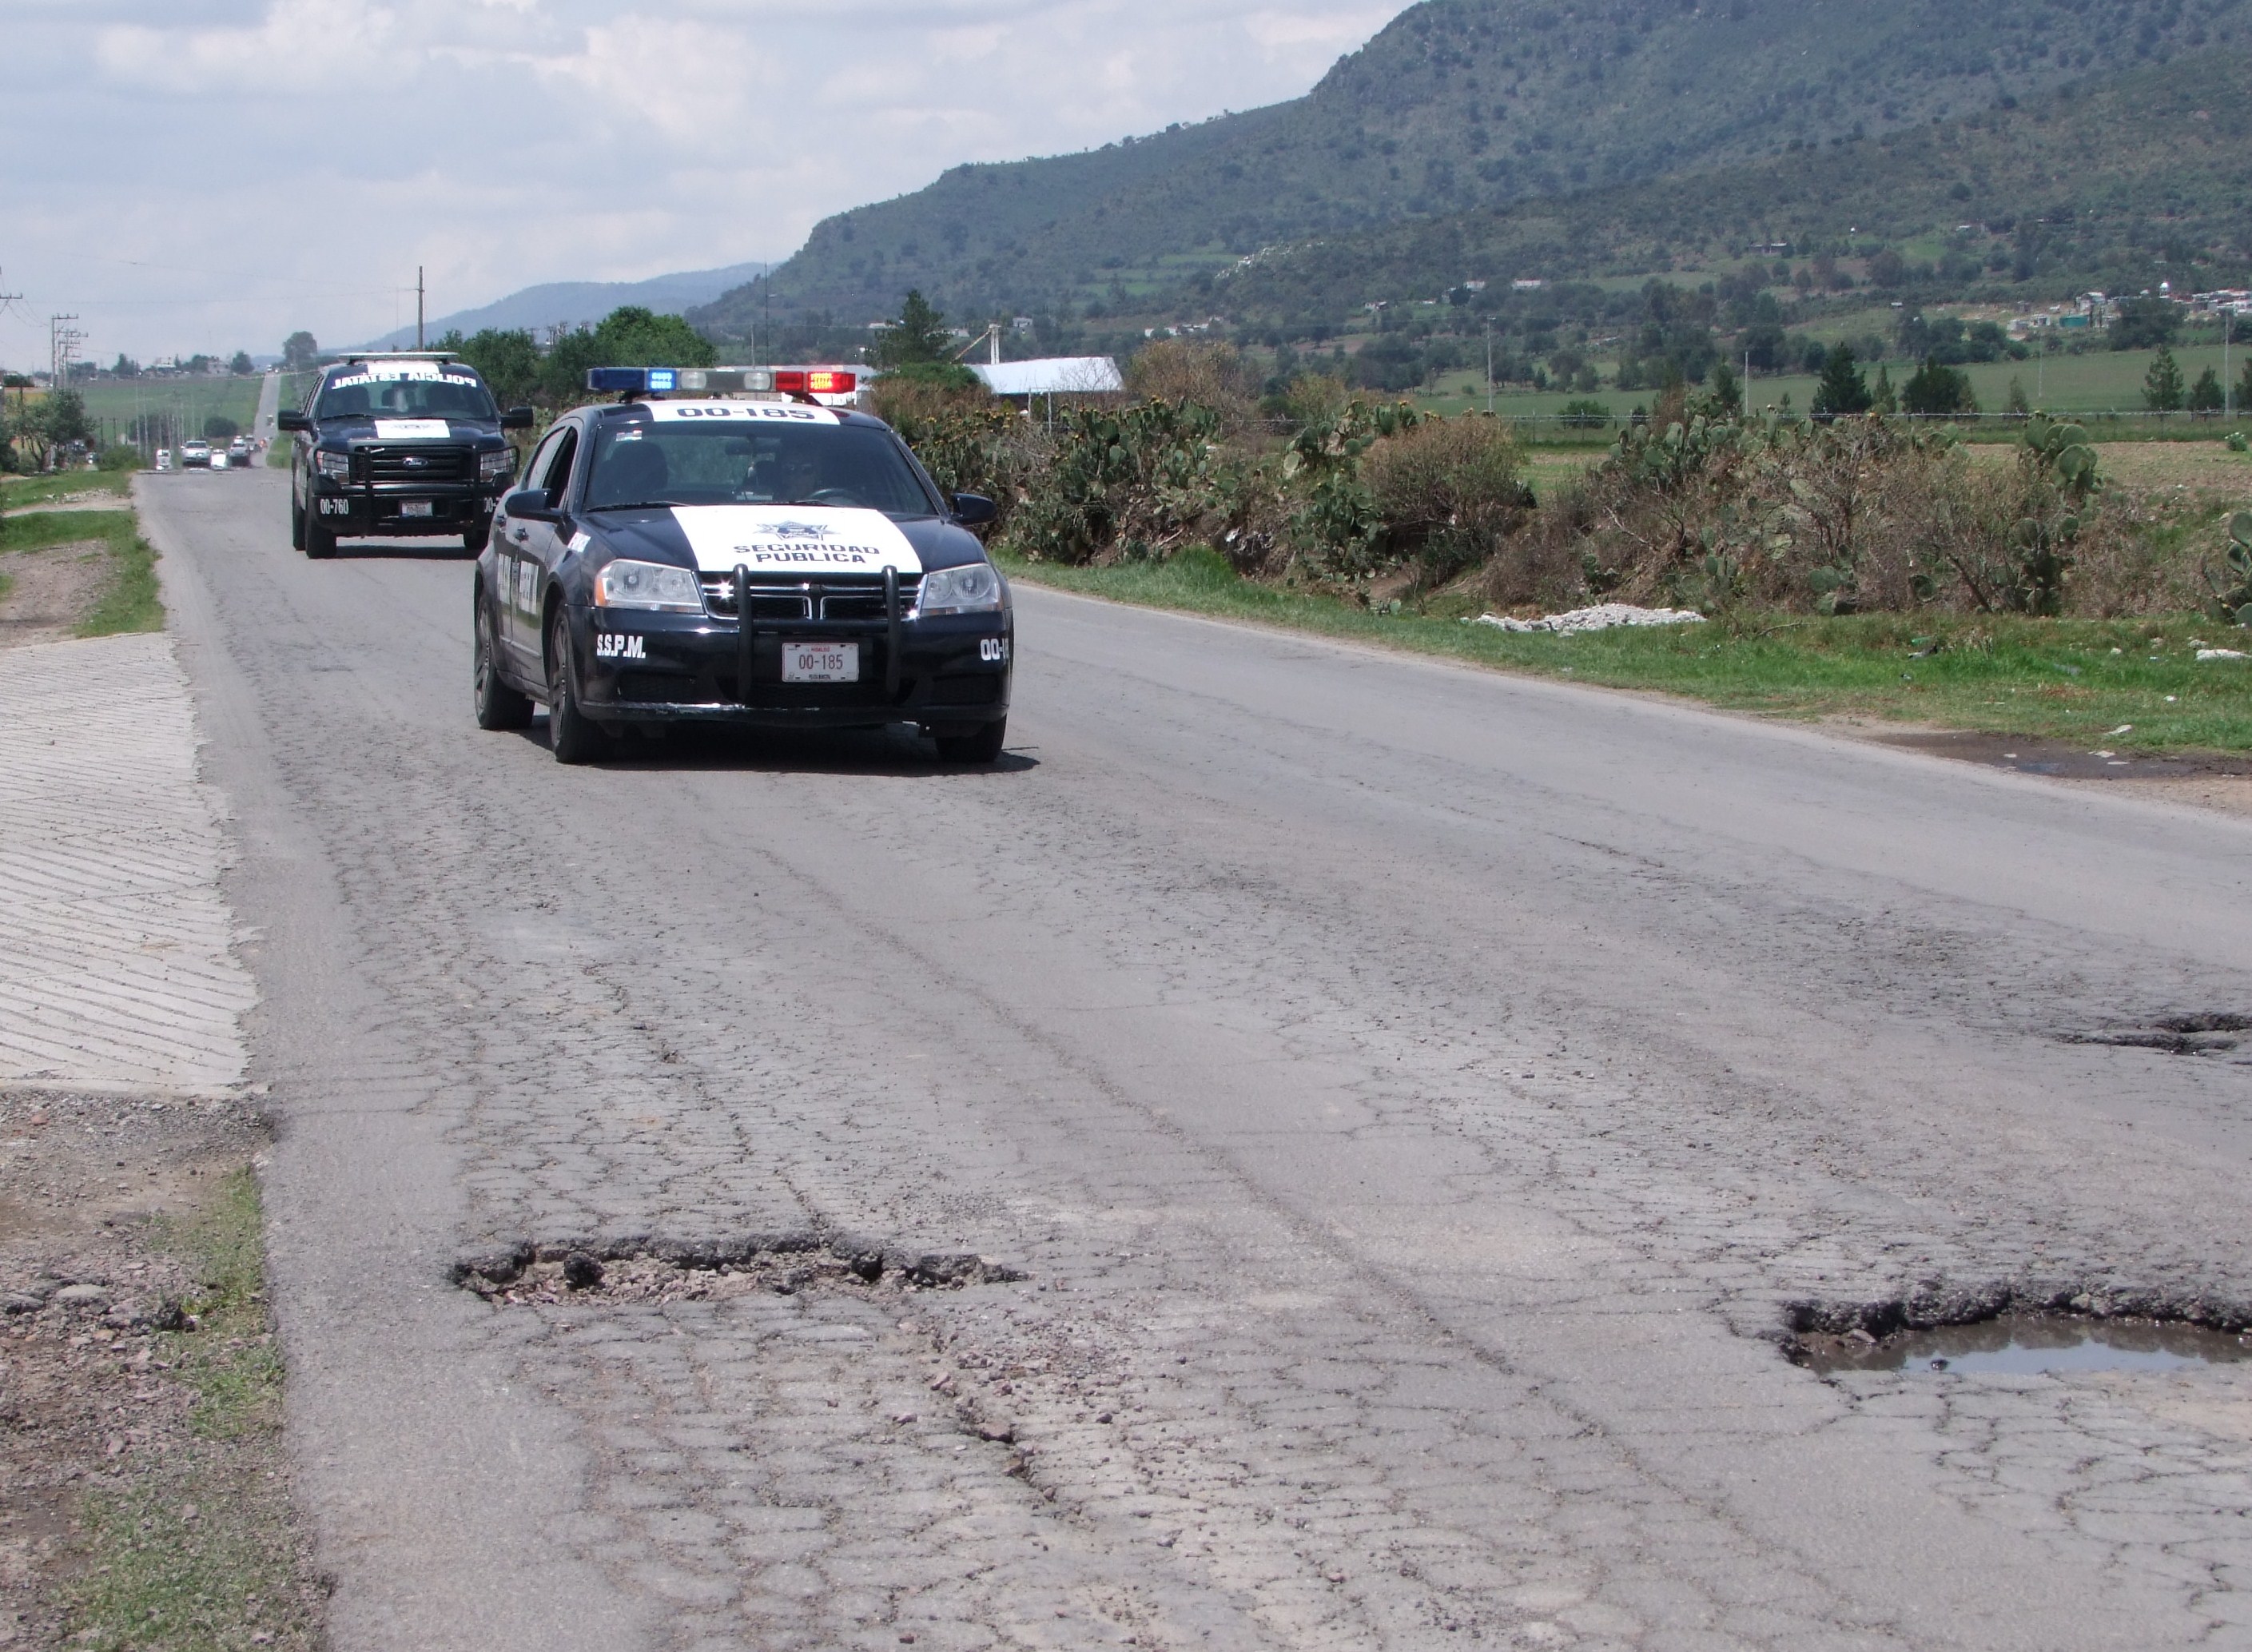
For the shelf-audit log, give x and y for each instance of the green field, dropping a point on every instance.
(114, 404)
(2100, 382)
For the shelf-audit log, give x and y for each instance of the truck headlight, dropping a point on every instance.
(972, 589)
(493, 469)
(337, 467)
(649, 585)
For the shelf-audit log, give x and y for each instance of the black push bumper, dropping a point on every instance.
(402, 509)
(950, 675)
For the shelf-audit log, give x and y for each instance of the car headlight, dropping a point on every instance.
(495, 467)
(335, 466)
(972, 589)
(651, 585)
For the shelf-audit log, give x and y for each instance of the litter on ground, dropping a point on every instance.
(2222, 653)
(1606, 617)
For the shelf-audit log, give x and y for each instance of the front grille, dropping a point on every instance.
(431, 461)
(852, 597)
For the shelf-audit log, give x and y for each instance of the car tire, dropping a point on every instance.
(983, 746)
(571, 737)
(296, 522)
(499, 707)
(320, 540)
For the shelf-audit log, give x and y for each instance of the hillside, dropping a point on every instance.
(1463, 104)
(2119, 184)
(579, 303)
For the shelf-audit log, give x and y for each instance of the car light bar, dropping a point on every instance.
(718, 382)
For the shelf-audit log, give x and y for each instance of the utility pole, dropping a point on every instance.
(1489, 365)
(2227, 387)
(418, 306)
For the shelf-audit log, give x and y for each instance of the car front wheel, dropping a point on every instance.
(570, 734)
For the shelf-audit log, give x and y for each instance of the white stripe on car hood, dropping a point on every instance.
(785, 538)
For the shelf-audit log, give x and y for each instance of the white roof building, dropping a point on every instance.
(1051, 376)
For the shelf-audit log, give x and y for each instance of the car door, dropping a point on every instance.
(528, 550)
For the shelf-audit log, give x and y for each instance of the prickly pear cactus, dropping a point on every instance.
(2232, 585)
(2063, 447)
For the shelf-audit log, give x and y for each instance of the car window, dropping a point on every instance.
(686, 464)
(558, 473)
(542, 455)
(409, 391)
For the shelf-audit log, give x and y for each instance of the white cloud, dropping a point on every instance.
(244, 167)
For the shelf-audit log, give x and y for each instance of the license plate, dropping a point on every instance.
(417, 507)
(821, 662)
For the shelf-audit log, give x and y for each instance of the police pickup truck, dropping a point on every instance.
(720, 545)
(398, 445)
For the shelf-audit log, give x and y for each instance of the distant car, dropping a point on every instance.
(238, 451)
(195, 455)
(218, 459)
(164, 458)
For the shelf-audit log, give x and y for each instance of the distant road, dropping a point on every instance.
(269, 405)
(1412, 1096)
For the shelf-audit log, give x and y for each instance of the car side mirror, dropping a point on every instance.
(532, 504)
(290, 419)
(974, 509)
(515, 419)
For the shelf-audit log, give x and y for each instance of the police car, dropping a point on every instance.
(398, 444)
(718, 546)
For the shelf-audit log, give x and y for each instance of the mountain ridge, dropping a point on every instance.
(574, 303)
(1457, 105)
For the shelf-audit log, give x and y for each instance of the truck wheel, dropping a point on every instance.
(320, 540)
(570, 736)
(296, 522)
(498, 706)
(983, 746)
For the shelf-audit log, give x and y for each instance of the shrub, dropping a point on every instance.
(1186, 372)
(1447, 491)
(120, 457)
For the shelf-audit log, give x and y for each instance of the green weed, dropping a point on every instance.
(130, 602)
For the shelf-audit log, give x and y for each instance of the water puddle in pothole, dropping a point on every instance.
(2030, 1345)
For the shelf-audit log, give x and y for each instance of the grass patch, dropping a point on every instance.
(19, 491)
(197, 1552)
(130, 602)
(2058, 678)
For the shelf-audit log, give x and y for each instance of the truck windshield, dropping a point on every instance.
(684, 464)
(388, 393)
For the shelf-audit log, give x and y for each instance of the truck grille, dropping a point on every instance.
(430, 462)
(845, 597)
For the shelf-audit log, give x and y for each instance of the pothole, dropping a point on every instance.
(2027, 1344)
(646, 1271)
(2214, 1033)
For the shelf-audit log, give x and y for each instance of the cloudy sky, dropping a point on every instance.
(210, 174)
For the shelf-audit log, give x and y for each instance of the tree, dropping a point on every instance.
(1937, 392)
(299, 352)
(507, 359)
(2019, 407)
(919, 335)
(239, 366)
(2142, 323)
(1843, 390)
(219, 428)
(1727, 395)
(2162, 384)
(1882, 399)
(126, 367)
(2204, 396)
(628, 337)
(2244, 387)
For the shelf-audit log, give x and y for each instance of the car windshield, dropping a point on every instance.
(398, 393)
(669, 464)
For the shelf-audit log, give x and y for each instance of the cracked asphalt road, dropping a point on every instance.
(1416, 1098)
